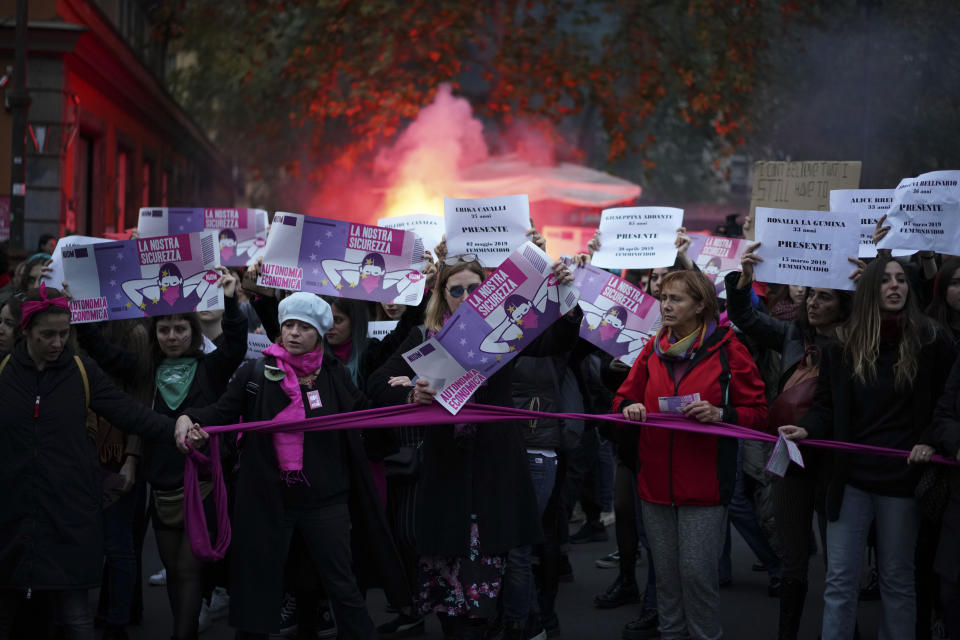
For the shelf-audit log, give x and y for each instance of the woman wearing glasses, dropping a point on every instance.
(475, 492)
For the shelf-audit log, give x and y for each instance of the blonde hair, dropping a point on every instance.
(437, 308)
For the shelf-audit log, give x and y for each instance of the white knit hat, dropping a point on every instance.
(309, 308)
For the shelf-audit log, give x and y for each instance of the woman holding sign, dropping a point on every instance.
(476, 495)
(877, 386)
(799, 343)
(694, 367)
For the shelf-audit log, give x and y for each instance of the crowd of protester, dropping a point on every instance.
(471, 522)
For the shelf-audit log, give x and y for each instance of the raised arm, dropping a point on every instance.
(769, 332)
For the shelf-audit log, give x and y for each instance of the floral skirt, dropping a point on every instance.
(462, 586)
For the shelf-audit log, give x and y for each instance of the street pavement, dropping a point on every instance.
(746, 610)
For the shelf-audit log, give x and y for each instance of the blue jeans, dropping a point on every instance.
(121, 560)
(519, 587)
(742, 515)
(897, 525)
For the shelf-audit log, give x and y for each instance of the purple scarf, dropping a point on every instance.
(289, 446)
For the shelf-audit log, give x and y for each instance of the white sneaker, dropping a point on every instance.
(158, 579)
(607, 518)
(219, 603)
(205, 619)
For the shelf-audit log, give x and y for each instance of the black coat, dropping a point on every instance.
(258, 561)
(947, 436)
(830, 415)
(487, 475)
(50, 520)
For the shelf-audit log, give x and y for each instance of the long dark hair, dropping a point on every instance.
(861, 333)
(844, 300)
(938, 309)
(196, 338)
(359, 316)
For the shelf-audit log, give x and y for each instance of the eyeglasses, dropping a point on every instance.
(462, 257)
(456, 291)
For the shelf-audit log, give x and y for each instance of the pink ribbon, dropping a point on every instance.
(403, 415)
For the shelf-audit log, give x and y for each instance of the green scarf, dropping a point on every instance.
(174, 377)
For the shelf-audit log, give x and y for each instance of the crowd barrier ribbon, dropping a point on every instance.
(403, 415)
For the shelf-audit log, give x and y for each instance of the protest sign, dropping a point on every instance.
(4, 218)
(514, 305)
(870, 205)
(489, 228)
(343, 259)
(428, 228)
(56, 276)
(925, 214)
(380, 329)
(716, 256)
(617, 316)
(638, 237)
(676, 404)
(256, 343)
(799, 185)
(144, 277)
(241, 233)
(784, 452)
(807, 248)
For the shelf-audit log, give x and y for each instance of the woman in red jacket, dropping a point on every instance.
(685, 479)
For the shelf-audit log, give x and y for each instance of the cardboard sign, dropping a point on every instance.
(343, 259)
(241, 233)
(638, 237)
(799, 185)
(514, 305)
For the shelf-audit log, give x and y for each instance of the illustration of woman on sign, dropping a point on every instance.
(713, 271)
(523, 315)
(229, 247)
(610, 327)
(169, 292)
(370, 274)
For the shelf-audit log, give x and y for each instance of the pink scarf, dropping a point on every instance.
(289, 446)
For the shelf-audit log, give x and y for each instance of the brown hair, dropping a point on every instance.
(437, 306)
(700, 288)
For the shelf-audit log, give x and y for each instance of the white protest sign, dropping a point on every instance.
(380, 329)
(489, 228)
(925, 214)
(429, 228)
(637, 237)
(57, 275)
(870, 205)
(784, 452)
(807, 248)
(256, 343)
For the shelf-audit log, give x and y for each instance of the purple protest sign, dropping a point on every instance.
(343, 259)
(617, 316)
(241, 233)
(514, 305)
(716, 256)
(143, 277)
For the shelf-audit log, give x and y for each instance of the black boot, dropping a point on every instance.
(793, 593)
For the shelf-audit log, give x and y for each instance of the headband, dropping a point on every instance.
(33, 307)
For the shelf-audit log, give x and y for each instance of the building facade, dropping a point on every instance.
(104, 136)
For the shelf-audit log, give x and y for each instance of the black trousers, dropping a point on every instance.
(326, 533)
(71, 609)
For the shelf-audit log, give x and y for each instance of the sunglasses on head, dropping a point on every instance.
(461, 257)
(456, 291)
